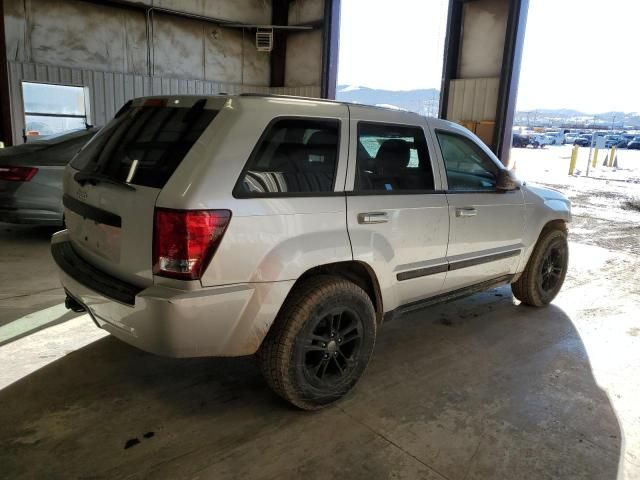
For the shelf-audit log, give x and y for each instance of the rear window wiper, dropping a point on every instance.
(95, 178)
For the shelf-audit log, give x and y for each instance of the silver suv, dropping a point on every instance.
(292, 228)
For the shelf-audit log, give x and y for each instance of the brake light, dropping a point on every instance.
(184, 241)
(17, 174)
(155, 102)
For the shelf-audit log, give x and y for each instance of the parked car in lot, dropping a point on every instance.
(539, 140)
(626, 138)
(291, 228)
(554, 138)
(612, 141)
(583, 140)
(31, 178)
(520, 140)
(634, 144)
(570, 137)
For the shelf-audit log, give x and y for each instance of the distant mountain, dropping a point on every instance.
(422, 101)
(567, 112)
(426, 102)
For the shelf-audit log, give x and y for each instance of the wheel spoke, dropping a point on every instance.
(314, 348)
(337, 321)
(321, 368)
(350, 338)
(347, 361)
(335, 360)
(318, 338)
(545, 283)
(348, 329)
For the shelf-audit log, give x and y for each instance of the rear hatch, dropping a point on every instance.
(111, 186)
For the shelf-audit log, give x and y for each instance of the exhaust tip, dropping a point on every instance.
(72, 304)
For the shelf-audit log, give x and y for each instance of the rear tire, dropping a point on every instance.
(320, 343)
(546, 270)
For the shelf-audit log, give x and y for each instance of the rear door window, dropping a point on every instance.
(392, 158)
(294, 156)
(144, 145)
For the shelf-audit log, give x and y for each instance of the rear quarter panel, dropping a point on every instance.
(268, 239)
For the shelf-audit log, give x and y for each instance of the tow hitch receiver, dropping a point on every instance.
(72, 304)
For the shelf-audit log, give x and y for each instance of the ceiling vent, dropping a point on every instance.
(264, 39)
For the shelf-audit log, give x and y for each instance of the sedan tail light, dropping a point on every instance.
(184, 241)
(17, 174)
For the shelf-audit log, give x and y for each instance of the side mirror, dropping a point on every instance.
(507, 181)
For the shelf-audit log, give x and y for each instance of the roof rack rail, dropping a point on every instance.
(324, 100)
(276, 95)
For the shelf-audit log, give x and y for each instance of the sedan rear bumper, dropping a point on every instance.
(31, 217)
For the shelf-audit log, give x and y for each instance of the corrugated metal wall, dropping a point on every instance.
(108, 91)
(473, 99)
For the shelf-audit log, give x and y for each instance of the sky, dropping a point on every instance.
(394, 45)
(579, 54)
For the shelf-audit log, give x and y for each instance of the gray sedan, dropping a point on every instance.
(31, 178)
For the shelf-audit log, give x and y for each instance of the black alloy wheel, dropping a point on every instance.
(552, 268)
(333, 345)
(320, 343)
(546, 269)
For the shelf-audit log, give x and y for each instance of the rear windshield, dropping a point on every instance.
(144, 145)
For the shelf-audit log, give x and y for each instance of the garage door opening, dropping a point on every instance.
(392, 57)
(577, 126)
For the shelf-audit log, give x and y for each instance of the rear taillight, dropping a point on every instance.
(17, 174)
(184, 241)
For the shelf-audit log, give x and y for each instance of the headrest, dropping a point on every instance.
(323, 138)
(285, 156)
(393, 156)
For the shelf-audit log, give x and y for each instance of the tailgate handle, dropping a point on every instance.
(373, 217)
(466, 212)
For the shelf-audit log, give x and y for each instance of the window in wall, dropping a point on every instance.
(468, 167)
(51, 109)
(294, 156)
(392, 158)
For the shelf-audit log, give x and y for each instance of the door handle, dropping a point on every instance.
(466, 212)
(373, 217)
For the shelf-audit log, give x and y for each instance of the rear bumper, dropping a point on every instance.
(32, 202)
(31, 217)
(230, 320)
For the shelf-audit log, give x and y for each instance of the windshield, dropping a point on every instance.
(144, 145)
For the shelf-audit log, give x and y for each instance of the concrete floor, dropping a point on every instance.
(480, 388)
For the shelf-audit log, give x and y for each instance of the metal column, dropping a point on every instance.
(330, 51)
(6, 134)
(515, 17)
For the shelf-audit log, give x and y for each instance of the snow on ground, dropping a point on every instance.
(605, 205)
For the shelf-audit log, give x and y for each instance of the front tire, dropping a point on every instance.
(320, 343)
(546, 270)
